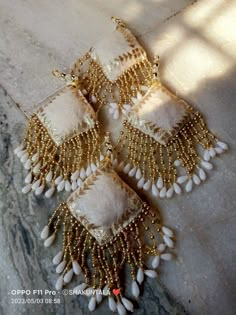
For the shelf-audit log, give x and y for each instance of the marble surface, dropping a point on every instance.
(196, 41)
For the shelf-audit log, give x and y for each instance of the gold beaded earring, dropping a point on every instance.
(62, 144)
(114, 71)
(165, 142)
(101, 235)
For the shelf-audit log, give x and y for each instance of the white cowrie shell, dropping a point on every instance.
(74, 185)
(67, 186)
(93, 99)
(120, 309)
(182, 179)
(92, 304)
(88, 171)
(167, 231)
(177, 189)
(35, 157)
(170, 192)
(140, 183)
(162, 193)
(161, 248)
(116, 114)
(134, 100)
(79, 288)
(93, 167)
(59, 283)
(50, 192)
(222, 145)
(111, 304)
(219, 150)
(127, 304)
(147, 185)
(36, 184)
(82, 173)
(206, 155)
(169, 242)
(196, 179)
(160, 183)
(61, 266)
(45, 232)
(132, 171)
(166, 256)
(177, 163)
(113, 105)
(76, 267)
(58, 179)
(98, 297)
(28, 178)
(138, 174)
(39, 190)
(79, 182)
(155, 191)
(212, 152)
(18, 149)
(207, 165)
(155, 262)
(75, 175)
(189, 185)
(21, 153)
(26, 189)
(135, 289)
(37, 168)
(57, 258)
(27, 165)
(61, 185)
(24, 158)
(49, 177)
(68, 276)
(140, 275)
(202, 174)
(127, 168)
(150, 273)
(48, 242)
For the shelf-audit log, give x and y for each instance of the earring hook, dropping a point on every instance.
(71, 79)
(118, 21)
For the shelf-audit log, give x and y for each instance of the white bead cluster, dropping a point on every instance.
(59, 183)
(60, 263)
(122, 304)
(167, 236)
(159, 190)
(115, 109)
(125, 305)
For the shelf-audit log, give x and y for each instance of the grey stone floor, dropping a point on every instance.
(196, 41)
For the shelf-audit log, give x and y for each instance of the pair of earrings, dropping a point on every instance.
(164, 144)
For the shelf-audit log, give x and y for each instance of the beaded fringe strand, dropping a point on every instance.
(163, 168)
(101, 265)
(62, 166)
(116, 94)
